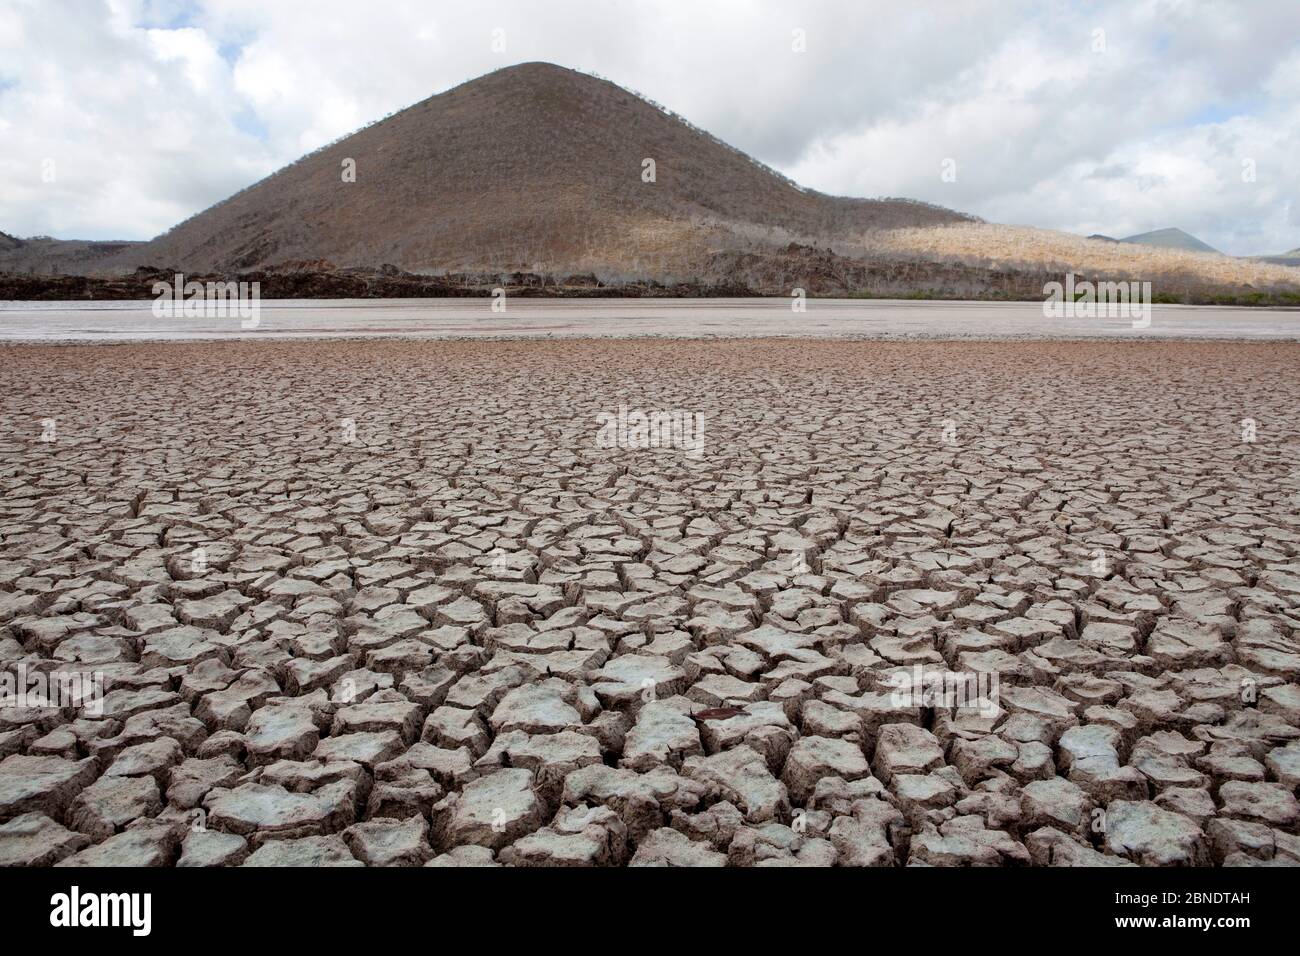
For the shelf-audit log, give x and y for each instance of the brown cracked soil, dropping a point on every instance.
(469, 635)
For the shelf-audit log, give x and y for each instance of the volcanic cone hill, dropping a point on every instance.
(534, 167)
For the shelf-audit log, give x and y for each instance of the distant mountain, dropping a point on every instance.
(42, 255)
(1097, 235)
(1291, 258)
(1170, 239)
(534, 167)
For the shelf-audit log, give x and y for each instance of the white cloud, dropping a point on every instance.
(154, 110)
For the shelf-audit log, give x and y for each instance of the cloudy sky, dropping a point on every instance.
(118, 118)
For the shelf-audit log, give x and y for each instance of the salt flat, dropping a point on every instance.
(582, 318)
(397, 603)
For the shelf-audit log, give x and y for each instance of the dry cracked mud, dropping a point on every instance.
(391, 604)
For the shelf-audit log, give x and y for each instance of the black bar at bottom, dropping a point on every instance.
(332, 906)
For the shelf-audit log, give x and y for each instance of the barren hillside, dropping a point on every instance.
(534, 167)
(42, 255)
(1024, 249)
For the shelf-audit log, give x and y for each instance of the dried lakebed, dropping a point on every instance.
(394, 603)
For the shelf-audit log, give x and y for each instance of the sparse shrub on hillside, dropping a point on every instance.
(985, 244)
